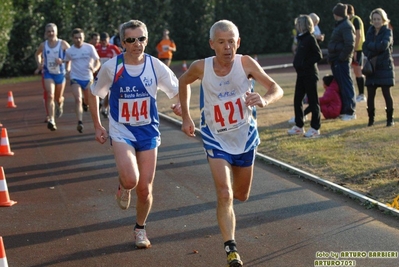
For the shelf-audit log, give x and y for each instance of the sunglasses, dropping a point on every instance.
(132, 40)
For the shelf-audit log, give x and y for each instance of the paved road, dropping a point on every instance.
(66, 214)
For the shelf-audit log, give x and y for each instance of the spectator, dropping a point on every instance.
(165, 48)
(357, 62)
(317, 32)
(294, 41)
(379, 43)
(340, 52)
(330, 102)
(305, 64)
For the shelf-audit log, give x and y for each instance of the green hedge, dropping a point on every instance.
(265, 25)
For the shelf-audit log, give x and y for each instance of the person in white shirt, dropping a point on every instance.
(132, 80)
(84, 62)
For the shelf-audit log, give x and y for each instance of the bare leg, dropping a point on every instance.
(59, 93)
(50, 88)
(77, 94)
(225, 213)
(136, 171)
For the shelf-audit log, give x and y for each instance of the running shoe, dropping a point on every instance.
(80, 127)
(51, 125)
(361, 98)
(104, 112)
(59, 109)
(142, 241)
(312, 133)
(295, 130)
(84, 106)
(234, 260)
(346, 117)
(123, 197)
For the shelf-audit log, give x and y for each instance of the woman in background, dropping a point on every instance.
(305, 63)
(379, 43)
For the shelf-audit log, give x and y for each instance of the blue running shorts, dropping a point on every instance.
(57, 78)
(142, 145)
(83, 84)
(240, 160)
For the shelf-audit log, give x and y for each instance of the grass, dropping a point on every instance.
(364, 159)
(20, 79)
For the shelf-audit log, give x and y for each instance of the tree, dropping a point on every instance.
(265, 26)
(6, 21)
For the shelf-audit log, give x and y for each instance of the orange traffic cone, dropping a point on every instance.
(184, 66)
(4, 196)
(4, 144)
(11, 103)
(3, 258)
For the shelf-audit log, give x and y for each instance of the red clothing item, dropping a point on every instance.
(107, 52)
(330, 102)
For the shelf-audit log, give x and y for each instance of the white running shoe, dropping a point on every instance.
(312, 133)
(123, 197)
(141, 238)
(361, 98)
(296, 131)
(346, 117)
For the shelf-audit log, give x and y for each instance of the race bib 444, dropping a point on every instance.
(135, 111)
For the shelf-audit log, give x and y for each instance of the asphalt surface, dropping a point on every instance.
(66, 213)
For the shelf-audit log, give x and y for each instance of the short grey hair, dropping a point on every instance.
(53, 26)
(225, 26)
(132, 24)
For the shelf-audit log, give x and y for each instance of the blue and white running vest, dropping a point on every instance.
(50, 55)
(132, 100)
(226, 122)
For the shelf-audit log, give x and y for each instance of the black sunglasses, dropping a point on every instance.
(132, 40)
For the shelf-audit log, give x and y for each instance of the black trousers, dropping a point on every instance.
(307, 85)
(386, 92)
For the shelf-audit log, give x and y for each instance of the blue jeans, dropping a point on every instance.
(341, 72)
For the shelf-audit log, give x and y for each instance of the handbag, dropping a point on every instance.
(368, 66)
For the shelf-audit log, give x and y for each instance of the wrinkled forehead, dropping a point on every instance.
(225, 35)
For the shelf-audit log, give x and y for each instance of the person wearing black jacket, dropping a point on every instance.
(379, 43)
(305, 63)
(340, 53)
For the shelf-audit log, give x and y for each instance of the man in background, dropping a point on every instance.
(340, 52)
(105, 51)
